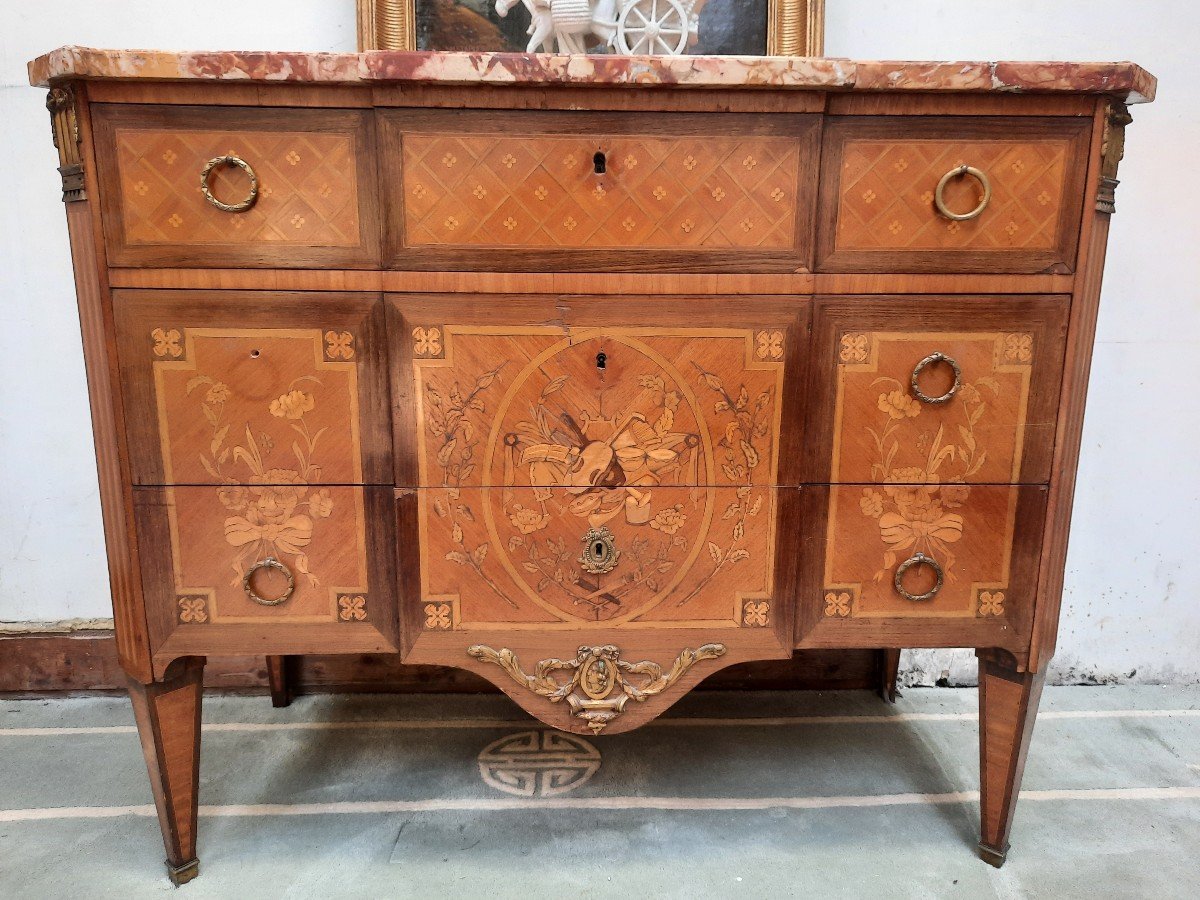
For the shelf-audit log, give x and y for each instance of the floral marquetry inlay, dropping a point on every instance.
(560, 493)
(769, 345)
(339, 345)
(991, 603)
(193, 610)
(925, 424)
(438, 616)
(427, 341)
(257, 423)
(166, 342)
(838, 603)
(756, 613)
(854, 348)
(873, 531)
(542, 191)
(914, 518)
(885, 432)
(1017, 348)
(240, 405)
(352, 608)
(276, 514)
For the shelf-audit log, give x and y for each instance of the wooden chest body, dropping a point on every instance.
(589, 390)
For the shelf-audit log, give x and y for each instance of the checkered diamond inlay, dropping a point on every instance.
(308, 192)
(887, 193)
(542, 191)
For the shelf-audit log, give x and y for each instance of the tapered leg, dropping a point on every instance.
(280, 678)
(168, 720)
(888, 662)
(1008, 702)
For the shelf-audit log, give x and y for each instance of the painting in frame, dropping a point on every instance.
(658, 27)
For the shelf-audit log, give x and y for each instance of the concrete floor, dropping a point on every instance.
(831, 795)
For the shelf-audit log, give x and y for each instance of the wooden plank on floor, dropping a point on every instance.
(42, 663)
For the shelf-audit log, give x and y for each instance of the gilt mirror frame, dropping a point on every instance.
(794, 27)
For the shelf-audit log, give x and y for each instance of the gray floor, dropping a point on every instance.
(827, 796)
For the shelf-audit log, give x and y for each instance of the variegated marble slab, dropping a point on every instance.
(1121, 79)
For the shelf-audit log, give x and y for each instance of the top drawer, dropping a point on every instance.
(880, 192)
(598, 191)
(309, 174)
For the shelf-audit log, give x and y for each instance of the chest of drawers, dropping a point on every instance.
(591, 376)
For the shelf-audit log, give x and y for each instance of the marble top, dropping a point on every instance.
(1120, 79)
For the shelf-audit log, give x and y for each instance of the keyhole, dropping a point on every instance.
(601, 360)
(255, 354)
(599, 162)
(598, 551)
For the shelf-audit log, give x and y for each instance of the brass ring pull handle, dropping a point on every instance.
(270, 563)
(241, 206)
(919, 560)
(939, 199)
(929, 360)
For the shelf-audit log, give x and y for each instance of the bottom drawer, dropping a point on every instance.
(925, 565)
(515, 558)
(252, 569)
(594, 608)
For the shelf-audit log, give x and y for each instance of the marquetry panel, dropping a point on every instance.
(525, 443)
(513, 559)
(883, 431)
(983, 538)
(604, 184)
(966, 529)
(583, 408)
(307, 188)
(540, 191)
(219, 534)
(881, 176)
(313, 184)
(222, 393)
(257, 405)
(615, 472)
(886, 196)
(307, 550)
(973, 424)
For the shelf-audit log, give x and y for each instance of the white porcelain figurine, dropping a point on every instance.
(635, 27)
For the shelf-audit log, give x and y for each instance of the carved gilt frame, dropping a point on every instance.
(794, 27)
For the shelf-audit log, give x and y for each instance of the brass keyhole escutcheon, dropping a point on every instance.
(601, 360)
(600, 553)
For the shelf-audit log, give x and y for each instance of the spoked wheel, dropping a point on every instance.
(652, 28)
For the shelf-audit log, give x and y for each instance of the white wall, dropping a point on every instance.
(1132, 602)
(1130, 610)
(52, 563)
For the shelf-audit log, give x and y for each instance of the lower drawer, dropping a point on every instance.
(595, 608)
(924, 565)
(555, 559)
(252, 569)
